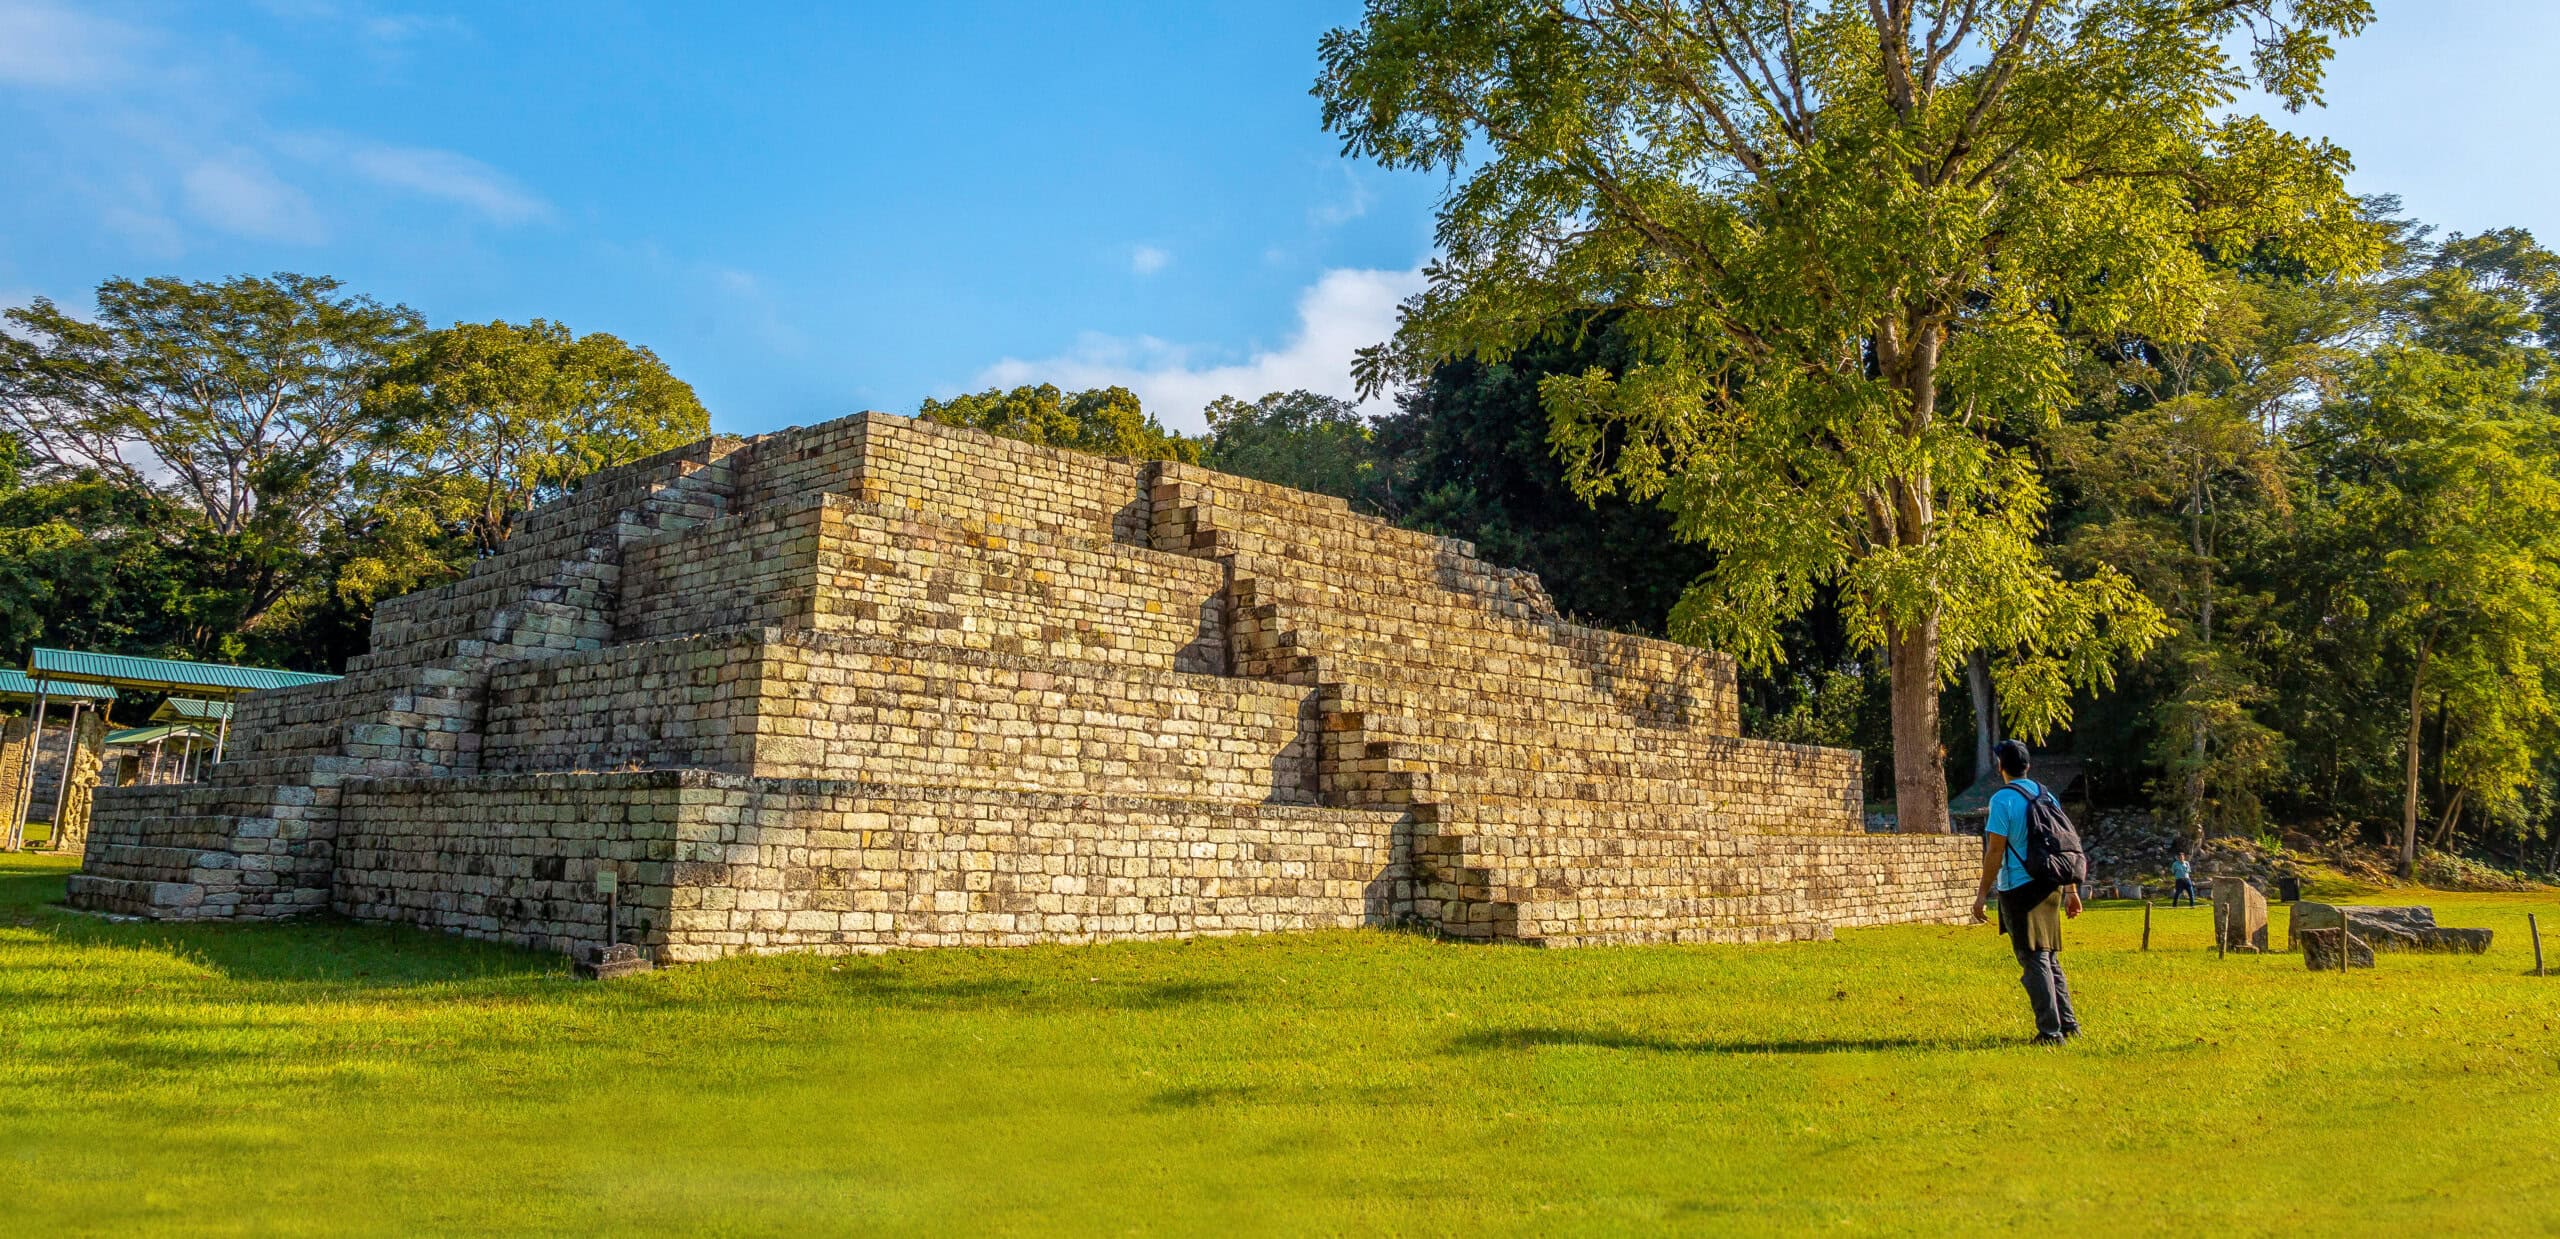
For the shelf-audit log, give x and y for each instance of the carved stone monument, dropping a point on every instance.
(2241, 909)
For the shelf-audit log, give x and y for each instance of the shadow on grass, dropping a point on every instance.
(324, 952)
(884, 988)
(1201, 1097)
(1494, 1039)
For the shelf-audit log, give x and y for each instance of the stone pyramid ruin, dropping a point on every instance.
(879, 683)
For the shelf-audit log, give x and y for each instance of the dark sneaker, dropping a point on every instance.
(2048, 1039)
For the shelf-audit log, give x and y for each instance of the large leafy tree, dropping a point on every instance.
(1853, 242)
(486, 420)
(2444, 464)
(2183, 480)
(1470, 460)
(1303, 440)
(237, 403)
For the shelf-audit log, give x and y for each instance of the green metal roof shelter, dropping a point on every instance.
(191, 710)
(160, 675)
(133, 736)
(39, 694)
(84, 678)
(19, 686)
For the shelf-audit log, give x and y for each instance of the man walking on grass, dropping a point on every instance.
(2032, 901)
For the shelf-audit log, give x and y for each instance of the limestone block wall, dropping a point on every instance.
(513, 858)
(815, 705)
(747, 570)
(682, 702)
(859, 709)
(713, 865)
(1316, 585)
(907, 462)
(198, 851)
(835, 563)
(850, 867)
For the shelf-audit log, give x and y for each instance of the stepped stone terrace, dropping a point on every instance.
(879, 683)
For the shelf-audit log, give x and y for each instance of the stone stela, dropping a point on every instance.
(879, 683)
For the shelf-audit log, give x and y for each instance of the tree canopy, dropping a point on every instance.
(1852, 244)
(1106, 420)
(239, 468)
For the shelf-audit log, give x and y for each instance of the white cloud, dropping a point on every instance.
(48, 46)
(451, 177)
(140, 118)
(238, 194)
(1147, 259)
(1346, 310)
(1354, 203)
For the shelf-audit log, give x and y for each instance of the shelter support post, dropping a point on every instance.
(16, 836)
(62, 783)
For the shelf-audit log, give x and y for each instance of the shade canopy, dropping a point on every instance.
(160, 674)
(132, 736)
(19, 686)
(191, 710)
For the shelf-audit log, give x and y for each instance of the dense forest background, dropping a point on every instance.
(2345, 499)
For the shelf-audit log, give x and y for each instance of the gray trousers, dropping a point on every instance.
(2039, 969)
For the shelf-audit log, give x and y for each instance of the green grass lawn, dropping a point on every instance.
(335, 1078)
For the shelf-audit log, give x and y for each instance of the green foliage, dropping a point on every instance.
(1849, 243)
(1106, 420)
(1224, 1085)
(238, 469)
(236, 403)
(1471, 461)
(87, 563)
(2444, 466)
(484, 421)
(1302, 440)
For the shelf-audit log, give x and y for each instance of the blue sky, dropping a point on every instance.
(858, 206)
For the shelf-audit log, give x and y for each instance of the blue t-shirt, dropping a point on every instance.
(2178, 868)
(2009, 821)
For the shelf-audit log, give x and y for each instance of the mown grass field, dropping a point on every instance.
(332, 1079)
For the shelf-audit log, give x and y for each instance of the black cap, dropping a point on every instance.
(2012, 756)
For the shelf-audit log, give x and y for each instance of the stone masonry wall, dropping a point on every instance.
(877, 684)
(713, 865)
(816, 705)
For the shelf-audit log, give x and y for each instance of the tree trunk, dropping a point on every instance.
(1986, 713)
(1907, 356)
(2409, 795)
(1919, 772)
(2445, 824)
(2198, 734)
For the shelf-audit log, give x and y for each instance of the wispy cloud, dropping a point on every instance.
(46, 45)
(1344, 311)
(135, 118)
(447, 176)
(374, 25)
(1147, 259)
(1355, 202)
(236, 193)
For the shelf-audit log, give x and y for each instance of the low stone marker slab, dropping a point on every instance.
(2389, 927)
(2320, 950)
(2243, 914)
(604, 963)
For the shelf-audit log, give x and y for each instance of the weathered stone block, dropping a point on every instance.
(2241, 910)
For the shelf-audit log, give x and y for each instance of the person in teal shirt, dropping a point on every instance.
(2185, 877)
(2030, 910)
